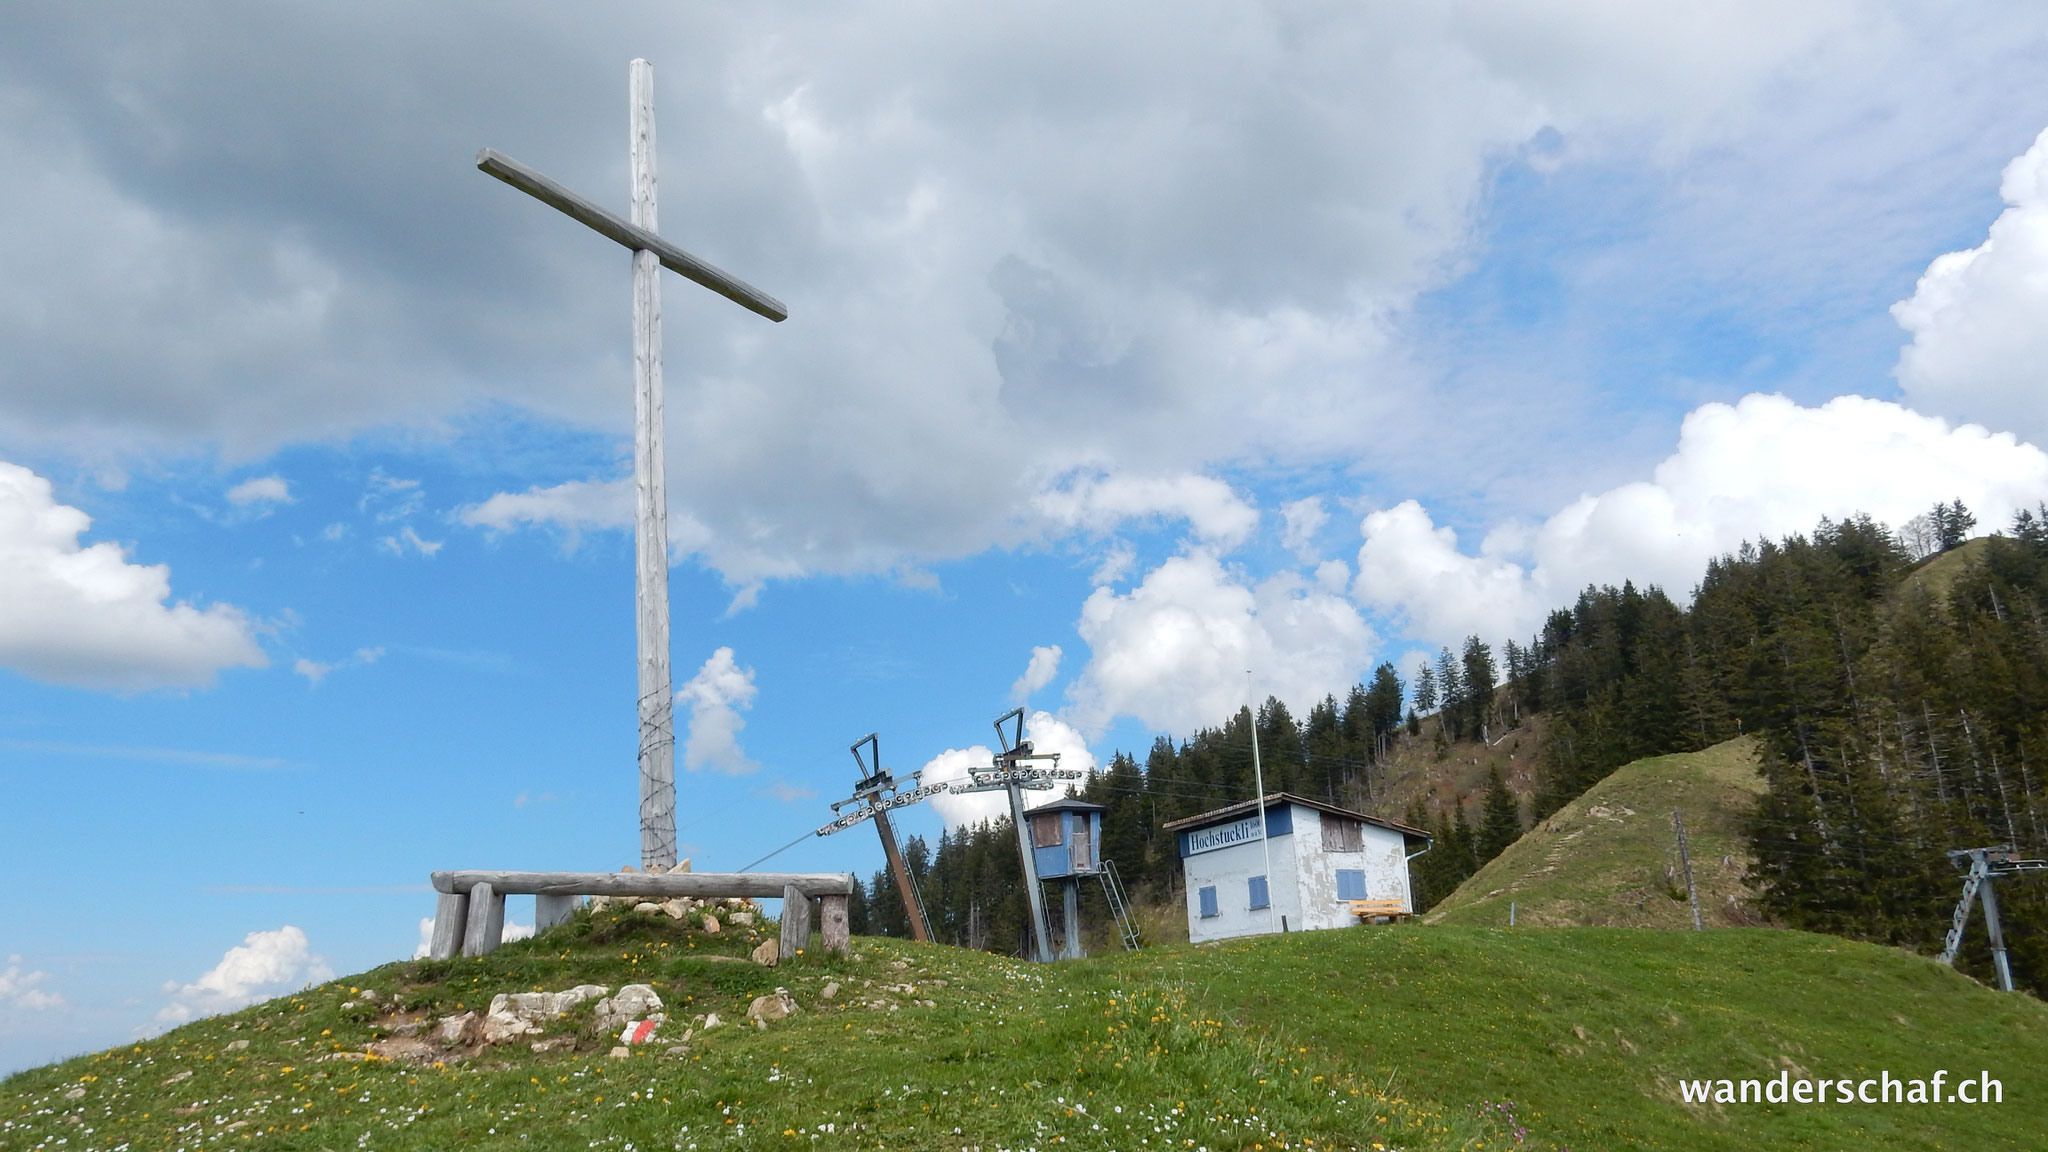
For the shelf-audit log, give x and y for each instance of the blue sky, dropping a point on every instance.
(1188, 341)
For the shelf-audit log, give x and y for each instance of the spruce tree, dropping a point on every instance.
(1477, 676)
(1500, 819)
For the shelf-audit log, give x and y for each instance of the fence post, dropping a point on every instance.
(451, 911)
(486, 927)
(796, 922)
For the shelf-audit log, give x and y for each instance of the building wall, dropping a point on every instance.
(1382, 856)
(1303, 887)
(1230, 870)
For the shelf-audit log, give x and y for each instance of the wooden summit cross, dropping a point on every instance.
(650, 473)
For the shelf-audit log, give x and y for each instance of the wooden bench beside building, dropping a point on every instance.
(469, 916)
(1369, 911)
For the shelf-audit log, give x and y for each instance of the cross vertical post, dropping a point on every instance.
(651, 253)
(650, 491)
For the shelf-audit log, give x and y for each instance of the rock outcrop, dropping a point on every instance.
(516, 1014)
(779, 1005)
(633, 1002)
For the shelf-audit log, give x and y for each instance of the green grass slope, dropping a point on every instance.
(1369, 1038)
(1610, 858)
(1937, 575)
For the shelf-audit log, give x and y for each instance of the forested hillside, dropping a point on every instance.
(1897, 685)
(1902, 706)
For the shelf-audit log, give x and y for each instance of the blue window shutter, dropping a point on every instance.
(1258, 892)
(1208, 899)
(1350, 883)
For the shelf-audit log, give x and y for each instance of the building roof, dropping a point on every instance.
(1243, 807)
(1066, 804)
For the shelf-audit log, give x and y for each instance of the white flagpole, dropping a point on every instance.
(1259, 782)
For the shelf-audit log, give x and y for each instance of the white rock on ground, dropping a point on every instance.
(768, 952)
(633, 1002)
(779, 1005)
(455, 1031)
(516, 1014)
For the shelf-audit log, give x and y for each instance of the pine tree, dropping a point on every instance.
(1952, 524)
(1281, 752)
(1500, 820)
(1464, 843)
(1425, 688)
(1478, 675)
(1383, 703)
(1450, 686)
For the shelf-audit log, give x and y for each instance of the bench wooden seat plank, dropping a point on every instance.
(469, 916)
(1368, 909)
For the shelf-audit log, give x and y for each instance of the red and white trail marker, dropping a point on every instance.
(639, 1032)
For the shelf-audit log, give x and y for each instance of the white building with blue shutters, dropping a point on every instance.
(1322, 857)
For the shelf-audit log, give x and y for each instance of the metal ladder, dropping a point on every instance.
(1119, 905)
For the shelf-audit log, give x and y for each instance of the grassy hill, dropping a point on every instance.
(1413, 1037)
(1610, 858)
(1937, 574)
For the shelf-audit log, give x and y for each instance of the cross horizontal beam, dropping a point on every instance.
(495, 163)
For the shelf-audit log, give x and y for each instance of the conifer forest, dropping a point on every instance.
(1897, 682)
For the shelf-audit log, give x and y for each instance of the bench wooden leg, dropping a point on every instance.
(550, 911)
(486, 927)
(832, 924)
(796, 922)
(451, 912)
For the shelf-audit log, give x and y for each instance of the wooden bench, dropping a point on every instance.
(469, 917)
(1371, 910)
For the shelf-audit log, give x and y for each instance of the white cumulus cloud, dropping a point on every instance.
(1173, 652)
(1100, 503)
(1044, 665)
(1301, 520)
(573, 507)
(263, 965)
(1979, 317)
(715, 697)
(85, 616)
(18, 989)
(1763, 467)
(1047, 734)
(260, 490)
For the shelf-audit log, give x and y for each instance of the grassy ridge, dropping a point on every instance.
(1589, 1030)
(923, 1047)
(1610, 857)
(1392, 1038)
